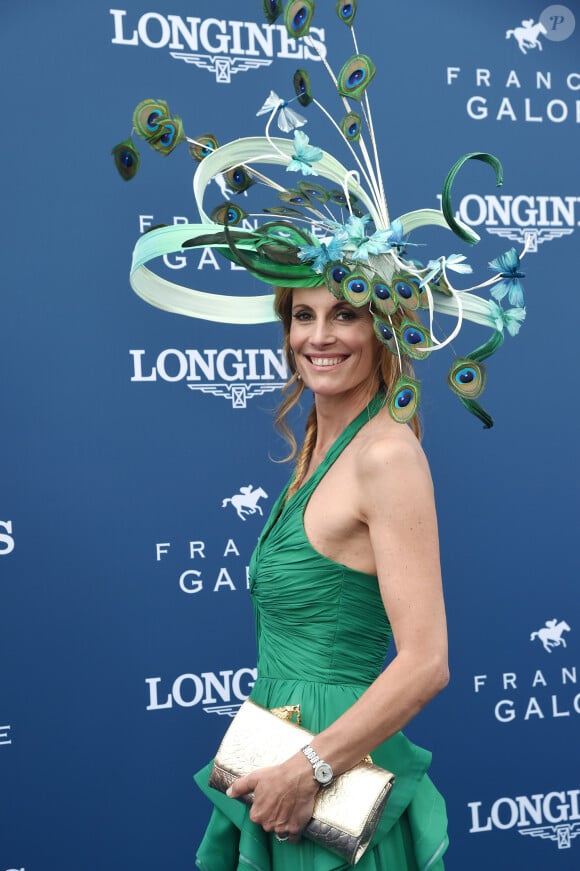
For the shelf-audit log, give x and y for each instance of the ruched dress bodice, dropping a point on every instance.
(322, 635)
(332, 627)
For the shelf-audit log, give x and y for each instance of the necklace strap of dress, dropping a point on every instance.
(346, 436)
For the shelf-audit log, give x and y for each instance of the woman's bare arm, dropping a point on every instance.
(395, 500)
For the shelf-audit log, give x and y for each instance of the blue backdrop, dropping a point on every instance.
(125, 621)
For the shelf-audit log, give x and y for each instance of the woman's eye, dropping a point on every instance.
(301, 316)
(346, 314)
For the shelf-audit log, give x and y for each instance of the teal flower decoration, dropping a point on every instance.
(511, 318)
(304, 155)
(319, 256)
(355, 228)
(395, 234)
(337, 230)
(508, 266)
(380, 242)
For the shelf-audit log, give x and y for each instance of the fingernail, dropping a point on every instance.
(229, 792)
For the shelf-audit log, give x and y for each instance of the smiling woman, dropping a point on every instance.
(348, 558)
(333, 344)
(338, 321)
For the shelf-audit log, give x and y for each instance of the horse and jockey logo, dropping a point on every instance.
(527, 35)
(246, 501)
(556, 23)
(551, 634)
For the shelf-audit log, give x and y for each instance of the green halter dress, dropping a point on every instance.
(322, 637)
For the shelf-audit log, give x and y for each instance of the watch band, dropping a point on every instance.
(322, 771)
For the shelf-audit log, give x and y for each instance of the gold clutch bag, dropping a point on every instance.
(346, 813)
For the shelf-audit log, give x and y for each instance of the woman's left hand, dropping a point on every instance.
(284, 797)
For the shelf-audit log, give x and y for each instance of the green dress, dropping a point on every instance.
(322, 637)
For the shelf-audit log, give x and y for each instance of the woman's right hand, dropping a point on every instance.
(284, 796)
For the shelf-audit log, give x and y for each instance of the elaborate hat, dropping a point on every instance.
(337, 235)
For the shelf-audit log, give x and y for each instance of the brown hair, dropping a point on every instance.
(387, 372)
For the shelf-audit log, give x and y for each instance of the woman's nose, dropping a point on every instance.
(322, 333)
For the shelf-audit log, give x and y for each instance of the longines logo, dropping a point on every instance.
(6, 537)
(524, 218)
(553, 685)
(221, 47)
(235, 374)
(532, 96)
(220, 693)
(554, 816)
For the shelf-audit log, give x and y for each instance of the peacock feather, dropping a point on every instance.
(298, 17)
(294, 197)
(467, 378)
(385, 333)
(126, 159)
(147, 116)
(406, 290)
(356, 289)
(414, 339)
(168, 136)
(272, 10)
(238, 179)
(403, 400)
(202, 146)
(228, 213)
(351, 127)
(313, 191)
(346, 10)
(282, 210)
(384, 300)
(355, 76)
(334, 275)
(302, 87)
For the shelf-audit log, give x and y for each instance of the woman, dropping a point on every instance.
(353, 539)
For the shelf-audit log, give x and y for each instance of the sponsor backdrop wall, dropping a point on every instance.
(136, 443)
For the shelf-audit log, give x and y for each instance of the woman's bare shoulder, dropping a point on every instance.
(391, 471)
(387, 444)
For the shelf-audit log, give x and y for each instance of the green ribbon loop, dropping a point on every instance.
(465, 233)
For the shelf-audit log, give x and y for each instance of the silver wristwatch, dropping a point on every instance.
(322, 771)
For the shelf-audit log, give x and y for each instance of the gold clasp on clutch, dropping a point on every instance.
(287, 712)
(292, 713)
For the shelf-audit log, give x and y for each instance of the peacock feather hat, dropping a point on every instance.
(329, 227)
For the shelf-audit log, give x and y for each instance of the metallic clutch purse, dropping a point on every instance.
(346, 813)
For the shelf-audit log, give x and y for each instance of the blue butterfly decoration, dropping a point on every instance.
(288, 119)
(453, 262)
(304, 155)
(508, 266)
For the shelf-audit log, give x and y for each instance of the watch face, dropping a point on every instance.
(323, 773)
